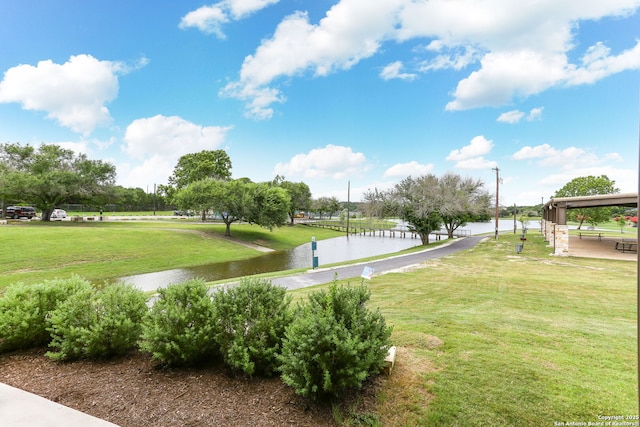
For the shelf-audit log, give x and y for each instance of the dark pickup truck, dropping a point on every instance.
(16, 212)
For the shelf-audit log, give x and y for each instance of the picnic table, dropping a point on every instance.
(627, 245)
(590, 234)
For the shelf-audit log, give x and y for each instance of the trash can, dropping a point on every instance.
(519, 247)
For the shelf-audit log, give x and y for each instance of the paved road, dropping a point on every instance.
(320, 276)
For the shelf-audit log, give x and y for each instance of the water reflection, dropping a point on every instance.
(329, 251)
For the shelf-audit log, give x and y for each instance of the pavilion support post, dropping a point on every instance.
(561, 240)
(549, 230)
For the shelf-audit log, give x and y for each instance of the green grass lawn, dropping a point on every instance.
(485, 337)
(36, 251)
(488, 337)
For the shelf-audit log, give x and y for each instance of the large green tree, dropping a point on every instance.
(461, 200)
(588, 186)
(416, 201)
(193, 167)
(237, 200)
(428, 202)
(269, 205)
(299, 193)
(50, 175)
(326, 205)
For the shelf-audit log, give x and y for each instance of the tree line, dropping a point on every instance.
(49, 175)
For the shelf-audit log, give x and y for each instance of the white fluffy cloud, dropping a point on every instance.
(351, 31)
(210, 19)
(535, 114)
(478, 146)
(472, 156)
(559, 166)
(539, 151)
(519, 49)
(74, 94)
(515, 116)
(569, 158)
(412, 168)
(625, 179)
(394, 71)
(332, 161)
(160, 141)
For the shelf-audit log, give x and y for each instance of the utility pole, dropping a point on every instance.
(497, 197)
(348, 204)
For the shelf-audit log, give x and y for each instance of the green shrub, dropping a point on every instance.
(97, 323)
(334, 343)
(250, 323)
(178, 329)
(24, 308)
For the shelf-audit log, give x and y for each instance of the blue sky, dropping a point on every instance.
(332, 92)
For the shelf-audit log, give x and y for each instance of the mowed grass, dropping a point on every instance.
(36, 251)
(487, 337)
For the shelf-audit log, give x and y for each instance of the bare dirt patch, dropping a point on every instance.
(132, 391)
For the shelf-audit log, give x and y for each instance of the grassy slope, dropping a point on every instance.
(36, 251)
(487, 337)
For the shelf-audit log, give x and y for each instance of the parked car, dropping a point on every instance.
(183, 213)
(58, 214)
(16, 212)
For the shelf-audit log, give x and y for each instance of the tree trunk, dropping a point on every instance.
(46, 214)
(227, 231)
(425, 238)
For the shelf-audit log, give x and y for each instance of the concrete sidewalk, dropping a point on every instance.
(19, 408)
(392, 263)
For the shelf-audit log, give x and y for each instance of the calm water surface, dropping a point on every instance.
(328, 251)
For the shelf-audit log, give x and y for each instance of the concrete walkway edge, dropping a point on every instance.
(19, 408)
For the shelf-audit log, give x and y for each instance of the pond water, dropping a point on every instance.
(328, 251)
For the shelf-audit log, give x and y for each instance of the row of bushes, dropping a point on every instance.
(321, 347)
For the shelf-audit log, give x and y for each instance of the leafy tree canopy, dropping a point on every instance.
(416, 201)
(588, 186)
(299, 193)
(427, 202)
(462, 200)
(194, 167)
(50, 175)
(237, 200)
(326, 205)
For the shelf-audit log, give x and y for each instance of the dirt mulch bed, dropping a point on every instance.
(133, 392)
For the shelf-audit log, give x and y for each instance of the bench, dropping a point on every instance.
(598, 235)
(627, 245)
